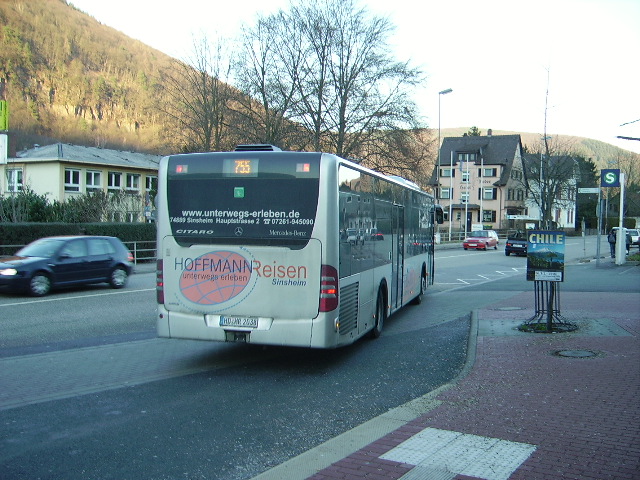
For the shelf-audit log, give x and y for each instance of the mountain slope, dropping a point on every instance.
(66, 76)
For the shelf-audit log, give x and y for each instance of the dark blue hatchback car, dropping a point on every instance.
(52, 262)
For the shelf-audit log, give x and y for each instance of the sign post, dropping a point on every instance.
(613, 177)
(545, 267)
(621, 243)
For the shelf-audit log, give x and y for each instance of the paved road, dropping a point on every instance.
(182, 409)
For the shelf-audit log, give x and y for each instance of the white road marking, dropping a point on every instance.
(65, 298)
(482, 278)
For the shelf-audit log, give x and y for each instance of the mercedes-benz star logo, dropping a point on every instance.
(239, 231)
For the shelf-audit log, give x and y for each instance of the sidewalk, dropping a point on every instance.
(527, 407)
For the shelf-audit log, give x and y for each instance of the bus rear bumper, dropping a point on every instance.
(284, 332)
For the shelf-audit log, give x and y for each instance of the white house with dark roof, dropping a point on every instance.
(479, 180)
(61, 171)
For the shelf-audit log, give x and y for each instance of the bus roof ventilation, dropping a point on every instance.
(257, 148)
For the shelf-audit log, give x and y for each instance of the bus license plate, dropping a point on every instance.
(245, 322)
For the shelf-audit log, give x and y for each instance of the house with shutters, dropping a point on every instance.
(479, 180)
(61, 171)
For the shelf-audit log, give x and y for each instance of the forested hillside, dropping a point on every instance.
(67, 77)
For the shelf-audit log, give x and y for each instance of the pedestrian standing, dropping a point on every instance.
(612, 242)
(627, 240)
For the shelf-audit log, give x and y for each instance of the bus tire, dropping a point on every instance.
(381, 315)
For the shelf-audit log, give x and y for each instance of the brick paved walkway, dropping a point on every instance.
(524, 412)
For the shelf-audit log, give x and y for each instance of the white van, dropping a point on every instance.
(634, 233)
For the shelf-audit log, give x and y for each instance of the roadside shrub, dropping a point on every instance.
(18, 234)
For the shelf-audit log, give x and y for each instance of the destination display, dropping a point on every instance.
(223, 197)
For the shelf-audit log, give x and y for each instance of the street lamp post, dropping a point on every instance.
(443, 92)
(481, 188)
(544, 224)
(450, 193)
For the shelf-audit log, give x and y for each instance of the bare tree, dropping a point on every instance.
(267, 70)
(313, 84)
(351, 89)
(407, 153)
(550, 176)
(323, 70)
(201, 97)
(316, 76)
(551, 173)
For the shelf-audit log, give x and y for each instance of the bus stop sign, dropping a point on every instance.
(610, 177)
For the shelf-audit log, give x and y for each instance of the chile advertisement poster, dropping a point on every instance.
(545, 255)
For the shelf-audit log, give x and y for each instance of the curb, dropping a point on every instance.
(324, 455)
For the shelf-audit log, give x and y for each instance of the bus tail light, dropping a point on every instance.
(159, 282)
(328, 288)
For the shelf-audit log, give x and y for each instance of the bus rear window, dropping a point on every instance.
(243, 197)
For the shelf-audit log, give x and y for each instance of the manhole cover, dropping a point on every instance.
(576, 353)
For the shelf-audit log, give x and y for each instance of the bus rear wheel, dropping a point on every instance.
(381, 313)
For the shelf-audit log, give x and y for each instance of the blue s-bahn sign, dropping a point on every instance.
(610, 177)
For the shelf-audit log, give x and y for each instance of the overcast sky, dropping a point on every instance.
(498, 56)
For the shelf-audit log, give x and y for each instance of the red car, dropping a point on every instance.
(481, 240)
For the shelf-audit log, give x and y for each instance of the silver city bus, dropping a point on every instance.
(256, 246)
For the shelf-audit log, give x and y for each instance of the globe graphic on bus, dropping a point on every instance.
(215, 277)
